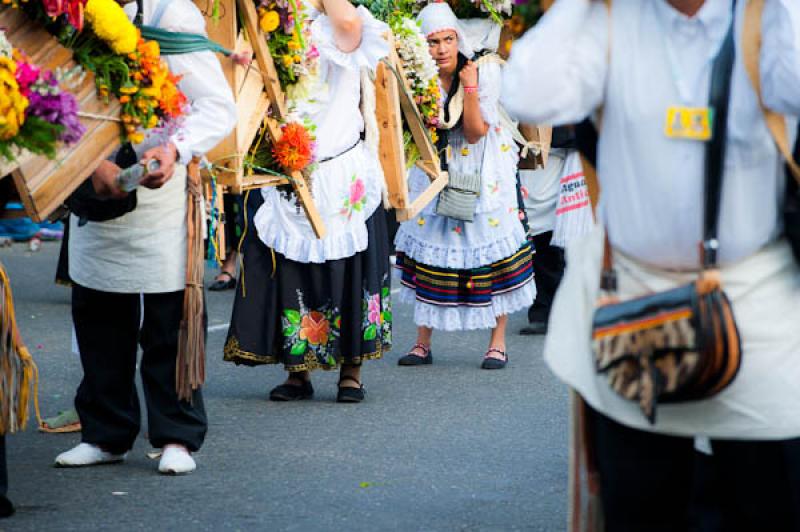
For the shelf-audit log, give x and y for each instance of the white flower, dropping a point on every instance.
(5, 46)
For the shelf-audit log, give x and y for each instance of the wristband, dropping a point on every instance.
(469, 90)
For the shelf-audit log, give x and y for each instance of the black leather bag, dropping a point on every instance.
(89, 207)
(682, 344)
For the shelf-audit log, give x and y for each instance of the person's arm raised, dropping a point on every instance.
(346, 24)
(557, 71)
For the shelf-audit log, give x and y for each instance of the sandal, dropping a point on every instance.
(494, 363)
(67, 421)
(414, 359)
(220, 283)
(292, 392)
(350, 395)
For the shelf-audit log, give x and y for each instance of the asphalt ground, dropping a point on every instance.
(442, 447)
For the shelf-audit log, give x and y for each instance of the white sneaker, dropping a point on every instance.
(86, 454)
(176, 460)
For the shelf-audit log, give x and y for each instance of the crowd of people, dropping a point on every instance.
(683, 109)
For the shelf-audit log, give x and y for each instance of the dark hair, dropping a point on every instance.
(460, 63)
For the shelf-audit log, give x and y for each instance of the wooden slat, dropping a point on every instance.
(300, 187)
(223, 30)
(247, 10)
(427, 196)
(390, 148)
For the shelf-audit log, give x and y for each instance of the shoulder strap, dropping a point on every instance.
(719, 101)
(751, 54)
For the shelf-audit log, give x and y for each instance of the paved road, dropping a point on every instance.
(444, 447)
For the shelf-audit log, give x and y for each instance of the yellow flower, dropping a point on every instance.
(421, 221)
(287, 60)
(12, 102)
(110, 23)
(151, 122)
(269, 21)
(464, 151)
(136, 138)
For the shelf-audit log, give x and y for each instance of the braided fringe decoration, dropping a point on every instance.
(17, 369)
(190, 370)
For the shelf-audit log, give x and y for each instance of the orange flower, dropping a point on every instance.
(315, 328)
(294, 151)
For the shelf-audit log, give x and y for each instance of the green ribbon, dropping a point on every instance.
(176, 43)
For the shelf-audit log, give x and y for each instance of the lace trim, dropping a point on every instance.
(469, 318)
(459, 258)
(310, 249)
(372, 49)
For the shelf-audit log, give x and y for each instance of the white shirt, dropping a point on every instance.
(145, 250)
(560, 72)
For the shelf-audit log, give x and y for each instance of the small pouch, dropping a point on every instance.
(459, 198)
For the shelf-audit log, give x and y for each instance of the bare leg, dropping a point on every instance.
(297, 378)
(498, 338)
(348, 372)
(424, 336)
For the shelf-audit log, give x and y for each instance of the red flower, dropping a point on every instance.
(314, 328)
(72, 8)
(294, 152)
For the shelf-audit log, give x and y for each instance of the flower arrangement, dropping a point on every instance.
(286, 25)
(287, 29)
(420, 68)
(125, 66)
(35, 113)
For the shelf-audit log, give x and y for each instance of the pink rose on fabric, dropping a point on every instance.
(374, 309)
(357, 191)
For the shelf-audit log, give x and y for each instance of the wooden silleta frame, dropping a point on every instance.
(44, 184)
(393, 102)
(256, 90)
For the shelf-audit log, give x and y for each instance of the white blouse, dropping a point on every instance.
(348, 188)
(652, 186)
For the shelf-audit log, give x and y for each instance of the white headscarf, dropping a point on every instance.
(439, 17)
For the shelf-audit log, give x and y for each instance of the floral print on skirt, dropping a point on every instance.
(310, 316)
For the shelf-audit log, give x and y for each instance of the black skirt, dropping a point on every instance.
(310, 316)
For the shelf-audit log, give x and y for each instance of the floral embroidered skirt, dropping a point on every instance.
(309, 316)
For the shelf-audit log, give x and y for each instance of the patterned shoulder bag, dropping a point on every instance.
(682, 344)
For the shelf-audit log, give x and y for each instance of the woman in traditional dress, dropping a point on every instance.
(311, 303)
(466, 275)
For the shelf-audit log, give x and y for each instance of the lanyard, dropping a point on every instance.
(684, 88)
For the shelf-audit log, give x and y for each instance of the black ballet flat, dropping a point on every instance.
(292, 392)
(494, 363)
(350, 395)
(220, 283)
(413, 359)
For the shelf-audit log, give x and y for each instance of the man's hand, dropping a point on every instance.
(166, 156)
(104, 180)
(469, 75)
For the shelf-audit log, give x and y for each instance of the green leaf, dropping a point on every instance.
(291, 330)
(299, 348)
(385, 292)
(371, 332)
(387, 316)
(292, 315)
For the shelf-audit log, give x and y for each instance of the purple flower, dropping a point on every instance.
(48, 102)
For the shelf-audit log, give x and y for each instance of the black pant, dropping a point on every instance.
(651, 482)
(548, 268)
(107, 328)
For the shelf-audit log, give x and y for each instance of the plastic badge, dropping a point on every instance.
(689, 123)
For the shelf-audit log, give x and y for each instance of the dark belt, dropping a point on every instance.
(327, 159)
